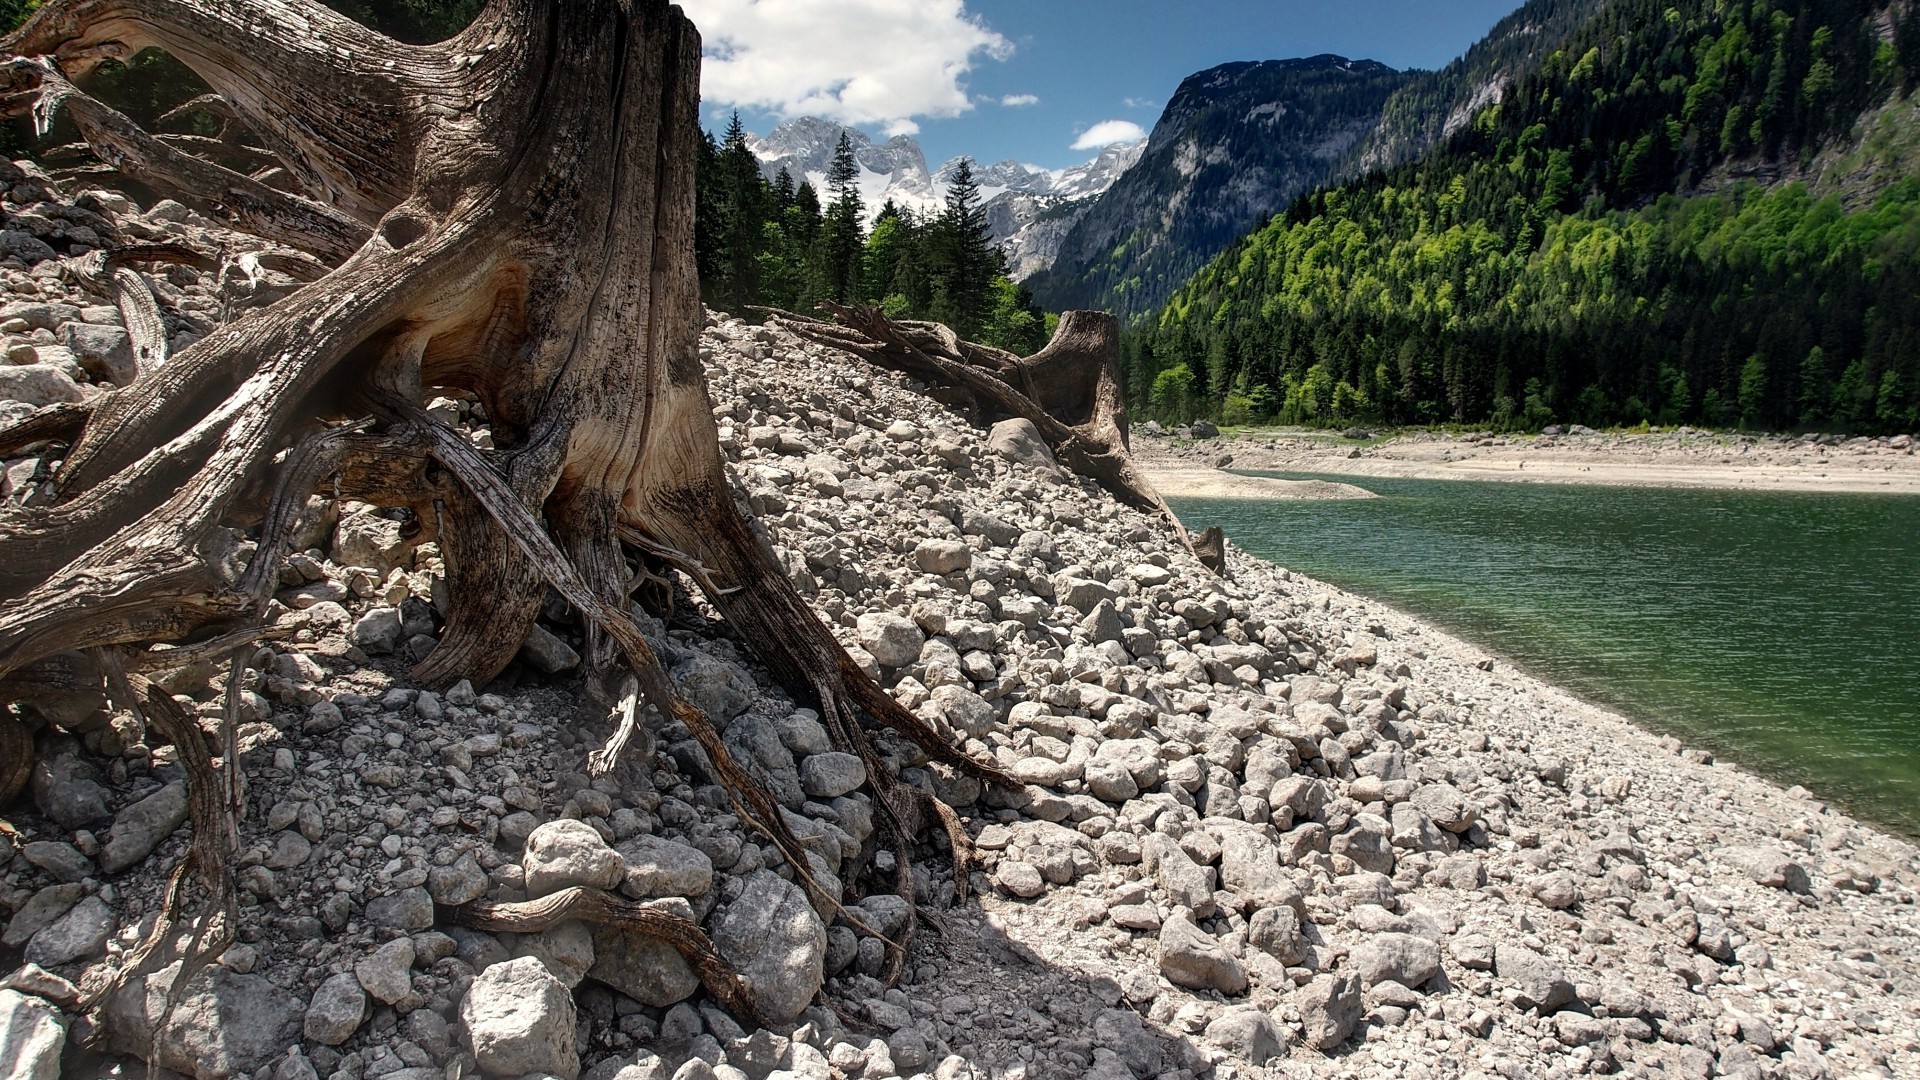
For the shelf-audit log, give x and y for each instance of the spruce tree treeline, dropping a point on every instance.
(1586, 251)
(772, 243)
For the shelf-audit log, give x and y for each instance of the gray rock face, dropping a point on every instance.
(379, 631)
(1019, 441)
(565, 853)
(222, 1024)
(566, 950)
(644, 968)
(830, 775)
(140, 828)
(893, 640)
(1400, 958)
(520, 1020)
(772, 935)
(1191, 957)
(80, 934)
(1329, 1010)
(1539, 981)
(1186, 883)
(337, 1010)
(32, 1034)
(658, 867)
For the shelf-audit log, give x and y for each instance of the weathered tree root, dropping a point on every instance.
(731, 989)
(1071, 391)
(16, 757)
(506, 215)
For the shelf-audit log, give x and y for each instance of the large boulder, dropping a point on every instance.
(140, 828)
(1400, 958)
(1191, 957)
(1329, 1010)
(32, 1034)
(772, 935)
(565, 853)
(520, 1020)
(893, 640)
(642, 967)
(222, 1024)
(1019, 441)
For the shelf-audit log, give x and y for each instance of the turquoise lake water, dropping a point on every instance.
(1776, 629)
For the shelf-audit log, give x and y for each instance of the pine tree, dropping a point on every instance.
(841, 238)
(964, 260)
(747, 209)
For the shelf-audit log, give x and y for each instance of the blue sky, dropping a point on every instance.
(957, 73)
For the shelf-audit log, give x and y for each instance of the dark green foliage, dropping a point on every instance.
(769, 243)
(1557, 261)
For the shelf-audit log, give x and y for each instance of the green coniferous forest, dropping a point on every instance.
(1678, 218)
(775, 244)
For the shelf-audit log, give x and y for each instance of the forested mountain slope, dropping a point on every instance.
(1695, 211)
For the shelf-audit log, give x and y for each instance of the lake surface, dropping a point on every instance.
(1776, 629)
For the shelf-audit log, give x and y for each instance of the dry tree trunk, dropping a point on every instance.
(507, 214)
(1071, 391)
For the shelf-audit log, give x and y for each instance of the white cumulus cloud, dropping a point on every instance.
(1014, 101)
(1108, 132)
(856, 61)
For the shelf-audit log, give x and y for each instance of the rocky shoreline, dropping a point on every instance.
(1682, 457)
(1268, 828)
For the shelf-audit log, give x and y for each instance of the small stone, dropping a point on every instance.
(140, 828)
(1019, 878)
(1540, 982)
(565, 853)
(387, 972)
(942, 556)
(1391, 957)
(520, 1020)
(1190, 957)
(378, 631)
(80, 934)
(547, 653)
(1556, 890)
(461, 883)
(1276, 932)
(893, 640)
(337, 1010)
(409, 909)
(1248, 1033)
(1330, 1008)
(39, 912)
(657, 867)
(830, 775)
(32, 1035)
(772, 935)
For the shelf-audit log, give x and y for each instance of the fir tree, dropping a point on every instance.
(841, 240)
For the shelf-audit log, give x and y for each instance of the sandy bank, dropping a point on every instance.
(1700, 460)
(1181, 480)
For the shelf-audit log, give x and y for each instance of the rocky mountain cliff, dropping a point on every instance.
(1029, 209)
(1235, 144)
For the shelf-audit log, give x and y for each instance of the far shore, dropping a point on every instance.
(1178, 479)
(1672, 460)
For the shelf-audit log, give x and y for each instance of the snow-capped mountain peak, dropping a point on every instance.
(1016, 195)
